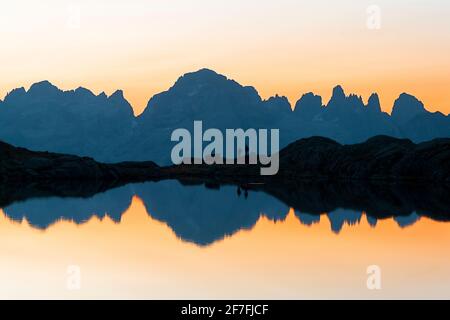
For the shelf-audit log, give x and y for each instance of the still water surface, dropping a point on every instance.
(165, 240)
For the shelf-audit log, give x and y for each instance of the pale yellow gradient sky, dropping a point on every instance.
(285, 47)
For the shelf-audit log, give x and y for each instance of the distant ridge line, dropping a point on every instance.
(79, 122)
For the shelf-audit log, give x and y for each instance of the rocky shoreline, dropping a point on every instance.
(316, 158)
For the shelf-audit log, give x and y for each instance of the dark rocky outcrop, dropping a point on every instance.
(379, 158)
(318, 158)
(19, 164)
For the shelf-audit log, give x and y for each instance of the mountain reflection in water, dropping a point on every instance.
(203, 214)
(183, 240)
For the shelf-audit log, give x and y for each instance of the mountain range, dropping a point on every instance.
(45, 118)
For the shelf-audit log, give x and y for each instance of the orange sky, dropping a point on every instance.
(287, 47)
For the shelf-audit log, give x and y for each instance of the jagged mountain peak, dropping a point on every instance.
(278, 104)
(202, 76)
(373, 104)
(208, 81)
(203, 94)
(102, 95)
(43, 87)
(310, 98)
(14, 94)
(338, 92)
(407, 107)
(204, 72)
(341, 105)
(338, 98)
(355, 100)
(118, 94)
(406, 99)
(278, 98)
(308, 106)
(84, 92)
(118, 99)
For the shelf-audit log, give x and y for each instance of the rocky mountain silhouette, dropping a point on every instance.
(22, 166)
(79, 122)
(316, 158)
(75, 122)
(379, 157)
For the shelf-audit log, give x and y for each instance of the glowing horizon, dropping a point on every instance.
(286, 47)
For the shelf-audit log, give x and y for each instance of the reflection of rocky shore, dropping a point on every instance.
(345, 202)
(379, 200)
(383, 177)
(203, 212)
